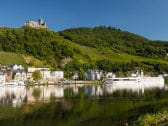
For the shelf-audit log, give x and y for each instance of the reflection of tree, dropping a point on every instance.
(66, 105)
(36, 93)
(25, 99)
(52, 98)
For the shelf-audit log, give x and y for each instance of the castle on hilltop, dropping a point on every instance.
(34, 24)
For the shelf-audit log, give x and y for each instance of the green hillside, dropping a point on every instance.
(117, 41)
(7, 58)
(79, 49)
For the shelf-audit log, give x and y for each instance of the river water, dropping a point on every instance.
(77, 105)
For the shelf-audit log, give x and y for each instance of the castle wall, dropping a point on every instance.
(33, 24)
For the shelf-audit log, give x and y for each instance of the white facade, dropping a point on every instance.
(33, 69)
(21, 76)
(57, 75)
(45, 74)
(75, 76)
(93, 74)
(17, 67)
(2, 78)
(110, 74)
(45, 71)
(97, 75)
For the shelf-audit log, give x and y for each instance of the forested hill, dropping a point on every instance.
(79, 49)
(117, 40)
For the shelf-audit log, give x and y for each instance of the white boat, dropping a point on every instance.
(129, 82)
(114, 81)
(124, 83)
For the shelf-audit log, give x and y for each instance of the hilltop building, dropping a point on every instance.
(34, 24)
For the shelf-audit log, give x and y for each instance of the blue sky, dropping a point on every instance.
(148, 18)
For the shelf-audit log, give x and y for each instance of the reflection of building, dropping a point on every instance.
(14, 95)
(94, 91)
(33, 24)
(17, 95)
(45, 93)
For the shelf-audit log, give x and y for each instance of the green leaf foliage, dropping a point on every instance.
(37, 75)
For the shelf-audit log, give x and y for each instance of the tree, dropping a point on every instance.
(81, 74)
(37, 75)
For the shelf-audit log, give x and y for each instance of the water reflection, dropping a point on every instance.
(12, 95)
(18, 95)
(94, 90)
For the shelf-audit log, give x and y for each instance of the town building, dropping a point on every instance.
(20, 76)
(58, 75)
(109, 74)
(17, 67)
(75, 76)
(2, 77)
(45, 72)
(93, 74)
(13, 72)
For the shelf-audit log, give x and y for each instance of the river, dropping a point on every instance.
(77, 105)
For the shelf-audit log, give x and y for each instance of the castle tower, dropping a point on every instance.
(40, 21)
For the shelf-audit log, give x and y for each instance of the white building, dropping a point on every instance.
(2, 78)
(17, 67)
(45, 71)
(21, 76)
(109, 75)
(45, 74)
(93, 74)
(58, 74)
(75, 76)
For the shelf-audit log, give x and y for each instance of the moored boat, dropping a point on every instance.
(144, 82)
